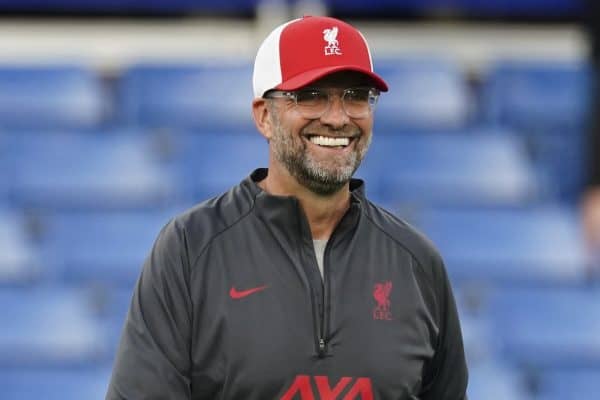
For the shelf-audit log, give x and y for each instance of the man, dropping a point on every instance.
(292, 285)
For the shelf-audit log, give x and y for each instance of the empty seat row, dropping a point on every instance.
(509, 246)
(129, 170)
(426, 93)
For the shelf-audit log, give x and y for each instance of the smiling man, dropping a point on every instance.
(293, 285)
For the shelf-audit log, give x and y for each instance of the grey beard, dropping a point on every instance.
(315, 179)
(291, 152)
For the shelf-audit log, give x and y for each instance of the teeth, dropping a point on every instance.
(329, 141)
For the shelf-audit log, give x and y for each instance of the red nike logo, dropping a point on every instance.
(235, 294)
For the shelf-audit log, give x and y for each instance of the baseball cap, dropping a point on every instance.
(303, 50)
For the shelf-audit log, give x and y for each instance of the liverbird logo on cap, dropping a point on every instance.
(330, 36)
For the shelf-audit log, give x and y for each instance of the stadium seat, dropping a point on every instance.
(205, 97)
(210, 164)
(547, 103)
(50, 97)
(458, 169)
(6, 171)
(55, 384)
(540, 328)
(48, 327)
(489, 8)
(76, 171)
(530, 94)
(496, 381)
(111, 305)
(19, 262)
(105, 248)
(425, 94)
(504, 246)
(569, 384)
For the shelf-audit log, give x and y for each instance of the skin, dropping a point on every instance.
(317, 176)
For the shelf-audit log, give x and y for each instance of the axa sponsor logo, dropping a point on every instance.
(381, 294)
(347, 388)
(332, 47)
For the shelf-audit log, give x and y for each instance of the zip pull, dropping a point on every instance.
(321, 347)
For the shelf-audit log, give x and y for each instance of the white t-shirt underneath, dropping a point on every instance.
(320, 253)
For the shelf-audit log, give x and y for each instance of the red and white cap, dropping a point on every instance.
(303, 50)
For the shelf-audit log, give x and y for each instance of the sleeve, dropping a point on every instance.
(446, 375)
(153, 358)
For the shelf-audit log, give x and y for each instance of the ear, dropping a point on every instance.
(262, 117)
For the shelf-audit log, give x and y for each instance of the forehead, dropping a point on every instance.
(342, 79)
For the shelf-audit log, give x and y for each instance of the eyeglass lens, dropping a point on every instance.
(357, 102)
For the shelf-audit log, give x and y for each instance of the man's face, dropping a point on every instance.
(322, 153)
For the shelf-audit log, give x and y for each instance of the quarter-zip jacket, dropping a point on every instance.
(230, 304)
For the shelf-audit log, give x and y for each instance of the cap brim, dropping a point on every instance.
(309, 77)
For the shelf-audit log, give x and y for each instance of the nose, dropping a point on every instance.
(335, 116)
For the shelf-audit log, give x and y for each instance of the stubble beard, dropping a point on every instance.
(322, 178)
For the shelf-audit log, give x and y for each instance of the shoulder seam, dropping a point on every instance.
(429, 279)
(193, 265)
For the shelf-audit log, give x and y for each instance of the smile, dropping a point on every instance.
(326, 141)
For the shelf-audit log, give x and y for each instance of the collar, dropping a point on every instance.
(284, 216)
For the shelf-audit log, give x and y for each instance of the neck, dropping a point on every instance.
(323, 212)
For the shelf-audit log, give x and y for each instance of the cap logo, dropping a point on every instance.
(330, 36)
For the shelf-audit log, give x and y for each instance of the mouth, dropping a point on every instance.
(330, 142)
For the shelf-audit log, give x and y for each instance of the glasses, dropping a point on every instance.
(312, 103)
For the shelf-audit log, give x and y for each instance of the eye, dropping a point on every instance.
(311, 97)
(357, 95)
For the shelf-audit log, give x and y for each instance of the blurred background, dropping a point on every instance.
(116, 115)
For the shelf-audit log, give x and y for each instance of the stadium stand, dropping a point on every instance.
(53, 327)
(494, 381)
(53, 96)
(182, 96)
(466, 169)
(114, 171)
(55, 384)
(19, 263)
(205, 170)
(569, 383)
(97, 248)
(413, 107)
(537, 246)
(541, 328)
(546, 103)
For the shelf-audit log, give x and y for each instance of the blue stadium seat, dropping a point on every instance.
(111, 307)
(75, 171)
(48, 327)
(210, 164)
(547, 103)
(537, 94)
(19, 262)
(503, 246)
(6, 170)
(50, 96)
(208, 97)
(519, 8)
(131, 7)
(542, 328)
(425, 94)
(458, 169)
(497, 8)
(496, 381)
(569, 384)
(100, 247)
(55, 384)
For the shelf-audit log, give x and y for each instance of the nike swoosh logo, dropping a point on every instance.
(235, 294)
